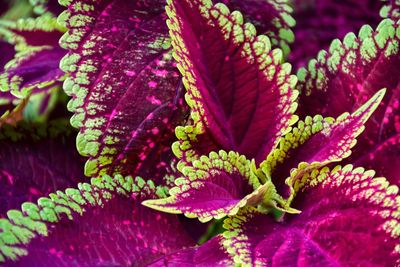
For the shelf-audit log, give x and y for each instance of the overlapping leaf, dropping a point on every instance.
(214, 187)
(211, 253)
(43, 6)
(102, 223)
(124, 86)
(35, 65)
(318, 23)
(343, 78)
(240, 94)
(348, 218)
(270, 17)
(317, 142)
(36, 160)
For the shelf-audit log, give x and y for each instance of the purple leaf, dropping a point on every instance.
(317, 142)
(211, 253)
(214, 187)
(318, 23)
(240, 94)
(343, 78)
(109, 227)
(34, 67)
(125, 89)
(7, 53)
(270, 17)
(35, 161)
(348, 218)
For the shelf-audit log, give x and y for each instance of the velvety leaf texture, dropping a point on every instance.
(347, 75)
(240, 94)
(124, 86)
(98, 224)
(318, 23)
(343, 210)
(35, 161)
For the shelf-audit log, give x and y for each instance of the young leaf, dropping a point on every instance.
(214, 187)
(236, 85)
(36, 160)
(347, 75)
(317, 142)
(102, 223)
(124, 86)
(348, 218)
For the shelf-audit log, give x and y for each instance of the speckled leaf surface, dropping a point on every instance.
(214, 187)
(318, 23)
(344, 210)
(124, 86)
(348, 74)
(35, 161)
(96, 224)
(241, 96)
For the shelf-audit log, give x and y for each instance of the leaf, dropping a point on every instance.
(101, 223)
(391, 10)
(34, 67)
(7, 53)
(125, 89)
(214, 187)
(43, 6)
(318, 23)
(236, 85)
(343, 210)
(211, 253)
(36, 160)
(12, 117)
(317, 142)
(351, 72)
(270, 17)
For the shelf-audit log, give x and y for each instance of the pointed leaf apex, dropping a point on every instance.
(370, 106)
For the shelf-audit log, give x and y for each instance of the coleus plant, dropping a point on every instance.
(252, 146)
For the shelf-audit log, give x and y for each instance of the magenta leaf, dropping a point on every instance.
(348, 218)
(317, 142)
(36, 160)
(351, 72)
(125, 89)
(211, 253)
(97, 224)
(240, 94)
(214, 187)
